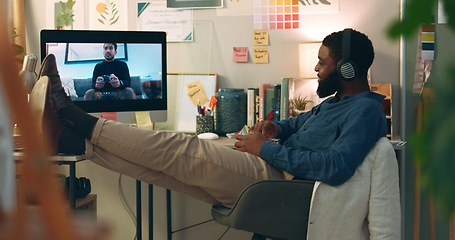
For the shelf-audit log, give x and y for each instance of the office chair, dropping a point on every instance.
(277, 209)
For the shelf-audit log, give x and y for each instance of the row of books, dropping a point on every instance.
(270, 102)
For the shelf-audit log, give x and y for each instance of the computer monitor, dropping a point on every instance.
(144, 53)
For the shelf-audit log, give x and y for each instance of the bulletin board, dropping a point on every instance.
(180, 106)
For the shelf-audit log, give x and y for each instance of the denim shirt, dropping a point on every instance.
(329, 142)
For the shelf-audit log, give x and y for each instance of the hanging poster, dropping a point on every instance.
(108, 14)
(319, 6)
(194, 3)
(236, 8)
(155, 16)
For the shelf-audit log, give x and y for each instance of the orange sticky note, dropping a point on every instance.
(240, 54)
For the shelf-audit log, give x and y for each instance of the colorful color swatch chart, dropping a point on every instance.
(276, 14)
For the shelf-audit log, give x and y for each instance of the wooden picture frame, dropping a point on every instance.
(194, 3)
(181, 111)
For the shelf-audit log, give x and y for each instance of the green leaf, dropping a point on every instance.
(101, 21)
(113, 16)
(115, 20)
(63, 6)
(70, 4)
(420, 12)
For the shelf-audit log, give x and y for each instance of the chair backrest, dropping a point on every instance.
(367, 206)
(270, 207)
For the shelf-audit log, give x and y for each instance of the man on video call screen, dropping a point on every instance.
(111, 78)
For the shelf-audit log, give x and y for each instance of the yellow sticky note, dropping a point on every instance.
(196, 93)
(194, 85)
(198, 96)
(261, 37)
(143, 120)
(261, 55)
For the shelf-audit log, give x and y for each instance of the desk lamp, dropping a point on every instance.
(27, 73)
(308, 58)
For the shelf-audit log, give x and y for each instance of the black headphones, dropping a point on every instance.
(346, 68)
(82, 186)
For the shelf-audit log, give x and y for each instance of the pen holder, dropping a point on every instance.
(204, 124)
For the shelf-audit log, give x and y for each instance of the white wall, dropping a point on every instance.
(212, 52)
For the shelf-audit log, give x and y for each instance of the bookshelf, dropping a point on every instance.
(386, 90)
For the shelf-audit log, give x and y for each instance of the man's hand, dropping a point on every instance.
(115, 82)
(251, 143)
(99, 82)
(267, 128)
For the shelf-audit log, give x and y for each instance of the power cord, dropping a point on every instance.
(222, 235)
(128, 209)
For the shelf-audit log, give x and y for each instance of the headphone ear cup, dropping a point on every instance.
(346, 69)
(82, 187)
(86, 187)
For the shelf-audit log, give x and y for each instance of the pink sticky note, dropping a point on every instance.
(240, 54)
(109, 115)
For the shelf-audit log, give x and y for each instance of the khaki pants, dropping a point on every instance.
(176, 161)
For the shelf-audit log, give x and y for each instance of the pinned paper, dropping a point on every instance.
(196, 93)
(261, 37)
(240, 54)
(143, 120)
(261, 55)
(427, 39)
(424, 59)
(109, 116)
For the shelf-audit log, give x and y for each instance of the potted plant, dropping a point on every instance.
(66, 17)
(299, 105)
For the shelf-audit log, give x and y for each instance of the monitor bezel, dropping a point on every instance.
(100, 36)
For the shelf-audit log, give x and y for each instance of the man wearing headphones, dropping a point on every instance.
(326, 144)
(337, 134)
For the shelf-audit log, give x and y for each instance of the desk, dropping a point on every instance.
(70, 160)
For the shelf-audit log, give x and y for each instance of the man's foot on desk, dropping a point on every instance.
(48, 121)
(46, 98)
(59, 98)
(62, 112)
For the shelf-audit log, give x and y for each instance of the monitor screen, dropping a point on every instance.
(110, 71)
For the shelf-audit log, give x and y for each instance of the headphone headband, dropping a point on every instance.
(346, 54)
(346, 67)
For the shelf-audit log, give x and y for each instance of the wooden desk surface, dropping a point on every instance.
(18, 156)
(224, 141)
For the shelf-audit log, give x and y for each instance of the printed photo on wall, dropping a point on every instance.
(108, 14)
(65, 15)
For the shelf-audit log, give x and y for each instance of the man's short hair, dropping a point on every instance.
(362, 51)
(115, 45)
